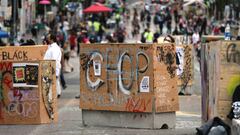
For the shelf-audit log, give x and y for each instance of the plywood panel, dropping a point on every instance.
(25, 104)
(185, 69)
(223, 71)
(23, 53)
(165, 78)
(18, 105)
(116, 77)
(224, 108)
(47, 92)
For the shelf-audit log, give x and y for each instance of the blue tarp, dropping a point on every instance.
(3, 34)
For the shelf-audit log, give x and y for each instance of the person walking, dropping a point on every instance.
(54, 53)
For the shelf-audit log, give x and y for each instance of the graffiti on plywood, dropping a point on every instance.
(47, 88)
(112, 75)
(186, 75)
(167, 55)
(16, 103)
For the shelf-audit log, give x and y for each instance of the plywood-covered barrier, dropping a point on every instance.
(128, 78)
(27, 104)
(220, 70)
(27, 92)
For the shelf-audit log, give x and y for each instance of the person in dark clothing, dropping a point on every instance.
(2, 43)
(119, 34)
(34, 30)
(203, 27)
(28, 42)
(142, 16)
(176, 32)
(62, 80)
(156, 35)
(148, 20)
(175, 16)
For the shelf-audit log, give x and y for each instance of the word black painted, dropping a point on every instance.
(17, 55)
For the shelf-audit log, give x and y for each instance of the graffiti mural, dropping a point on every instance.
(116, 85)
(5, 82)
(120, 77)
(16, 103)
(187, 75)
(20, 104)
(165, 79)
(167, 55)
(47, 82)
(234, 81)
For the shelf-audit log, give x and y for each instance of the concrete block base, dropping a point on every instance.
(129, 119)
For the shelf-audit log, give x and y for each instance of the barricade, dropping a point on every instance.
(220, 71)
(28, 89)
(128, 85)
(27, 92)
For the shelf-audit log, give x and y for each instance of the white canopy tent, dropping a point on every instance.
(190, 2)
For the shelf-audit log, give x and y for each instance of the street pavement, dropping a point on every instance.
(70, 118)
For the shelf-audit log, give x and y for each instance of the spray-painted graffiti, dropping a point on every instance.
(117, 68)
(137, 104)
(119, 80)
(233, 53)
(93, 85)
(15, 102)
(186, 76)
(22, 103)
(234, 81)
(104, 99)
(166, 54)
(126, 79)
(5, 82)
(17, 55)
(25, 109)
(47, 92)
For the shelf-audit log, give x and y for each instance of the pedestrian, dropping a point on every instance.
(54, 53)
(148, 20)
(62, 79)
(149, 37)
(67, 68)
(144, 35)
(196, 41)
(73, 43)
